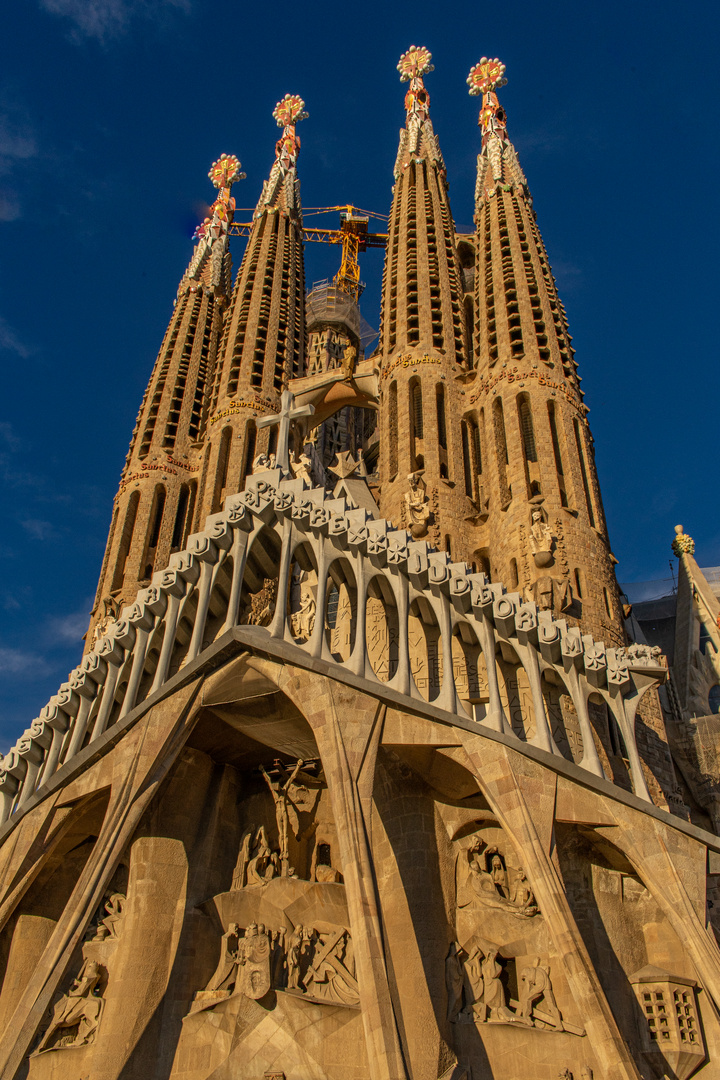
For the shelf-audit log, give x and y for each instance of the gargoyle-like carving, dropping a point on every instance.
(78, 1012)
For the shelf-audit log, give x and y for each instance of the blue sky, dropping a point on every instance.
(111, 112)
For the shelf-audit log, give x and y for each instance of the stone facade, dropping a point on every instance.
(360, 775)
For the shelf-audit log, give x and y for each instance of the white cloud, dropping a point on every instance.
(17, 145)
(38, 529)
(108, 19)
(69, 629)
(18, 661)
(9, 340)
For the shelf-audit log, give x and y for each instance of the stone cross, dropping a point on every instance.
(286, 414)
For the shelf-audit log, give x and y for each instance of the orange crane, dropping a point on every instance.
(353, 235)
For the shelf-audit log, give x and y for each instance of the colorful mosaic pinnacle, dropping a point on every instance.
(414, 63)
(487, 75)
(290, 111)
(226, 171)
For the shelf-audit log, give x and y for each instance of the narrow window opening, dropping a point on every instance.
(467, 463)
(180, 516)
(578, 584)
(514, 579)
(608, 603)
(442, 432)
(249, 456)
(126, 541)
(393, 432)
(583, 472)
(222, 470)
(148, 563)
(527, 429)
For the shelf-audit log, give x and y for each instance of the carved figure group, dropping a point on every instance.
(476, 992)
(318, 964)
(495, 885)
(78, 1012)
(257, 863)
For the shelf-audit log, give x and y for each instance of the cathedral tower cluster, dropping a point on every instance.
(359, 777)
(474, 429)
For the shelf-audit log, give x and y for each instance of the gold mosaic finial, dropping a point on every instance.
(226, 171)
(487, 75)
(415, 63)
(290, 111)
(412, 65)
(485, 78)
(682, 544)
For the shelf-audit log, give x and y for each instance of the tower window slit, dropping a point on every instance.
(556, 453)
(125, 541)
(526, 428)
(501, 451)
(442, 428)
(467, 460)
(393, 430)
(148, 564)
(583, 473)
(180, 516)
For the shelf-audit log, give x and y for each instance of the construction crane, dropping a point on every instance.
(353, 235)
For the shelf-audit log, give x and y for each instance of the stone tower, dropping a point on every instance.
(263, 342)
(156, 503)
(423, 342)
(541, 526)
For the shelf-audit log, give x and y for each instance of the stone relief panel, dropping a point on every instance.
(77, 1015)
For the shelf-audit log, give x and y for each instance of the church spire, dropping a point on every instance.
(154, 506)
(541, 521)
(423, 343)
(263, 343)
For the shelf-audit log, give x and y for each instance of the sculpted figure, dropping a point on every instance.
(225, 975)
(293, 958)
(498, 874)
(522, 895)
(262, 605)
(279, 790)
(534, 984)
(541, 539)
(81, 1007)
(417, 505)
(303, 621)
(454, 980)
(115, 908)
(493, 989)
(331, 975)
(348, 362)
(243, 859)
(264, 865)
